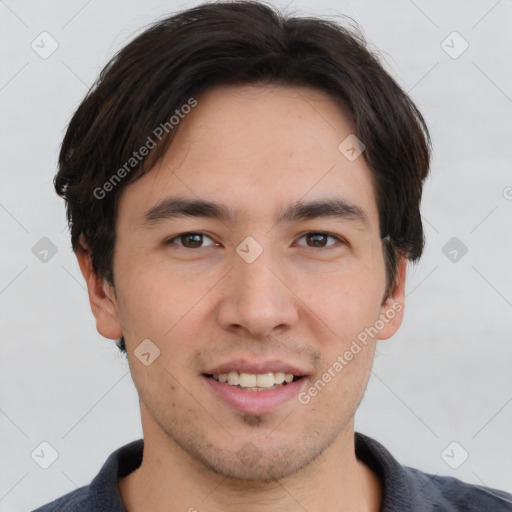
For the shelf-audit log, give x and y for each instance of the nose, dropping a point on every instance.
(257, 298)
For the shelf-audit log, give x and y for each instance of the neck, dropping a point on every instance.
(169, 478)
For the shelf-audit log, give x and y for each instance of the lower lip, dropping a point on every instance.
(256, 402)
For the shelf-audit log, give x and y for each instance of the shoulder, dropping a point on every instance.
(77, 501)
(103, 492)
(406, 488)
(451, 494)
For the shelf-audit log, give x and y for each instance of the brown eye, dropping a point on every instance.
(190, 240)
(319, 239)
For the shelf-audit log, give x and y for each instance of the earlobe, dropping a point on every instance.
(392, 311)
(101, 297)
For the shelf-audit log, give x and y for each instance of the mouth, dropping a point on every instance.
(255, 382)
(252, 388)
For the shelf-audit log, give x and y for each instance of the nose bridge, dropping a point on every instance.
(257, 299)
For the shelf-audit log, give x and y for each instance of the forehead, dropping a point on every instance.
(257, 149)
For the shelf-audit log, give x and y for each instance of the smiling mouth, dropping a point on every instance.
(255, 382)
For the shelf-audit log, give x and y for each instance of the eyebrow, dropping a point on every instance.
(176, 207)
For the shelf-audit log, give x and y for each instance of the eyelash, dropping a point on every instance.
(328, 235)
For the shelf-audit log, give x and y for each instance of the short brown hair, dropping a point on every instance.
(229, 43)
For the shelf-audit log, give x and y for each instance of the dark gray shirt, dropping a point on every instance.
(405, 489)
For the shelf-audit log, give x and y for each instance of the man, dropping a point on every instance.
(243, 192)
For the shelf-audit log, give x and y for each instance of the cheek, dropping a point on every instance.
(344, 303)
(155, 299)
(169, 309)
(338, 389)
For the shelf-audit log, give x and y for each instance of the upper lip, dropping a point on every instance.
(256, 367)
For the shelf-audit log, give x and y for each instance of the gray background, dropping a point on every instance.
(444, 377)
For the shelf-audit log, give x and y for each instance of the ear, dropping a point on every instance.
(101, 296)
(392, 311)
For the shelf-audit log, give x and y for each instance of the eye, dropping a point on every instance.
(190, 240)
(319, 239)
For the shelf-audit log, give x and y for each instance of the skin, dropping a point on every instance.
(202, 306)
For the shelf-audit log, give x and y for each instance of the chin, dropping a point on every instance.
(272, 465)
(257, 460)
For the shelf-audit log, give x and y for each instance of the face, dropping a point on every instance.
(279, 276)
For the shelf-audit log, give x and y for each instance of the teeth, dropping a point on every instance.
(247, 380)
(265, 380)
(233, 379)
(252, 381)
(279, 377)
